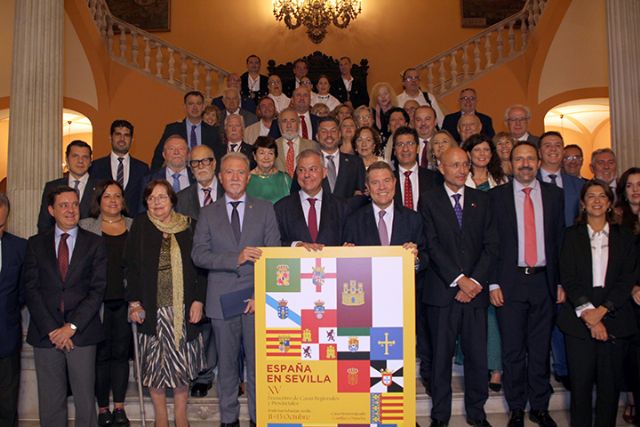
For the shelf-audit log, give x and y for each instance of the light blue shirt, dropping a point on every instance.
(71, 240)
(198, 132)
(545, 177)
(184, 177)
(241, 206)
(536, 197)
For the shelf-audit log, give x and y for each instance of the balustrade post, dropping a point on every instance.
(183, 71)
(147, 55)
(172, 66)
(123, 42)
(158, 60)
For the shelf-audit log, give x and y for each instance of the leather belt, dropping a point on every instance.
(527, 271)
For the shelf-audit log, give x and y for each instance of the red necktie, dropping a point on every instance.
(305, 131)
(207, 196)
(408, 191)
(424, 161)
(312, 222)
(289, 160)
(530, 248)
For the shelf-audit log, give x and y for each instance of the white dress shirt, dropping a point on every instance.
(82, 185)
(307, 119)
(214, 192)
(599, 261)
(347, 83)
(125, 167)
(282, 101)
(306, 206)
(388, 217)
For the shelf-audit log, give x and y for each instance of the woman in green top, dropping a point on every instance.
(267, 182)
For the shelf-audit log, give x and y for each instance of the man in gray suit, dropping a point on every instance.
(290, 144)
(226, 242)
(231, 102)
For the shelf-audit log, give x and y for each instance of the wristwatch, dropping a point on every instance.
(73, 327)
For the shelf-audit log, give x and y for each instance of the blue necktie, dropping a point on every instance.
(193, 140)
(457, 208)
(176, 182)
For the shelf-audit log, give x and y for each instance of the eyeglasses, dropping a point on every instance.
(160, 198)
(517, 119)
(406, 144)
(202, 162)
(467, 98)
(572, 158)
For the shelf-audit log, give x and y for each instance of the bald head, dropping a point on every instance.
(469, 124)
(454, 166)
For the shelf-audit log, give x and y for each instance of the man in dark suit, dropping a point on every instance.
(347, 88)
(233, 81)
(462, 245)
(12, 251)
(468, 101)
(120, 166)
(300, 70)
(345, 172)
(231, 103)
(254, 85)
(78, 154)
(301, 104)
(525, 285)
(192, 129)
(226, 243)
(64, 279)
(234, 135)
(516, 118)
(311, 217)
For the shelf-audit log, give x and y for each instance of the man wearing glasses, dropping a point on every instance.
(468, 101)
(516, 118)
(572, 160)
(412, 90)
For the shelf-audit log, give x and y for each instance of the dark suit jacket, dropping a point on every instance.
(503, 205)
(82, 291)
(46, 221)
(351, 175)
(450, 123)
(246, 104)
(210, 137)
(101, 170)
(577, 281)
(535, 140)
(426, 180)
(13, 252)
(159, 174)
(571, 187)
(293, 227)
(246, 93)
(358, 95)
(274, 131)
(453, 251)
(189, 202)
(247, 150)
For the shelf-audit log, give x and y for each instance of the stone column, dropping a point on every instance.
(623, 31)
(35, 127)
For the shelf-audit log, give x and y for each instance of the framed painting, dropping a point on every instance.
(484, 13)
(149, 15)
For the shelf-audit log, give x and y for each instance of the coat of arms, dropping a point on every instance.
(387, 378)
(317, 277)
(284, 343)
(283, 310)
(354, 344)
(319, 309)
(282, 275)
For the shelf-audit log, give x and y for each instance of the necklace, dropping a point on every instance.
(112, 221)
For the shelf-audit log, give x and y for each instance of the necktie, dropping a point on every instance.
(232, 148)
(424, 161)
(331, 171)
(235, 220)
(382, 229)
(207, 196)
(120, 172)
(457, 208)
(408, 191)
(530, 249)
(63, 256)
(552, 177)
(290, 160)
(313, 219)
(176, 182)
(303, 126)
(76, 184)
(193, 139)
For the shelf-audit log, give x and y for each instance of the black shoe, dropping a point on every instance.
(481, 423)
(495, 387)
(564, 380)
(120, 417)
(542, 418)
(517, 418)
(436, 423)
(105, 419)
(200, 390)
(233, 424)
(252, 424)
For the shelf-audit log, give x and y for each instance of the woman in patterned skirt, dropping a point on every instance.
(163, 283)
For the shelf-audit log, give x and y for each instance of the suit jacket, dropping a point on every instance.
(247, 104)
(246, 93)
(281, 160)
(247, 150)
(141, 255)
(101, 170)
(274, 132)
(159, 174)
(351, 177)
(216, 249)
(251, 133)
(503, 205)
(577, 281)
(471, 250)
(94, 225)
(82, 291)
(210, 136)
(571, 188)
(46, 221)
(11, 298)
(426, 180)
(189, 202)
(450, 123)
(535, 140)
(293, 227)
(358, 95)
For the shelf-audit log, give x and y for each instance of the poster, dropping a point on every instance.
(335, 337)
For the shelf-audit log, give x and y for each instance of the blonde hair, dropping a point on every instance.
(373, 100)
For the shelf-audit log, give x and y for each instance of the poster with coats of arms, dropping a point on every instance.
(335, 337)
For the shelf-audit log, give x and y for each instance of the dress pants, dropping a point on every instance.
(445, 324)
(206, 376)
(51, 372)
(558, 350)
(525, 329)
(229, 336)
(423, 344)
(9, 385)
(600, 363)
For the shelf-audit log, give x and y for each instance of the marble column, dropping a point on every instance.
(623, 31)
(35, 127)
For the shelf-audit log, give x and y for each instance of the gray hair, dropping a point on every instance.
(226, 119)
(235, 155)
(601, 151)
(523, 107)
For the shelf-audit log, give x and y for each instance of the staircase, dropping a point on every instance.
(140, 50)
(469, 60)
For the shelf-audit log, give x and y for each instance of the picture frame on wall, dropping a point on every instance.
(485, 13)
(149, 15)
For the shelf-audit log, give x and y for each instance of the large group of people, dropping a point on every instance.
(519, 260)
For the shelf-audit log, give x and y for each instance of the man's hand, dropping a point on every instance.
(496, 297)
(348, 245)
(593, 316)
(59, 336)
(413, 248)
(635, 293)
(462, 297)
(251, 307)
(562, 296)
(249, 254)
(599, 332)
(67, 345)
(136, 313)
(195, 312)
(469, 287)
(311, 247)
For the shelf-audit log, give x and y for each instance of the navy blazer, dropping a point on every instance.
(274, 131)
(358, 95)
(101, 170)
(503, 205)
(571, 188)
(11, 296)
(426, 180)
(159, 174)
(471, 250)
(210, 136)
(351, 177)
(293, 227)
(246, 104)
(450, 123)
(82, 291)
(46, 221)
(255, 96)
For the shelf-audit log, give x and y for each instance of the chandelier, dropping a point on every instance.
(316, 15)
